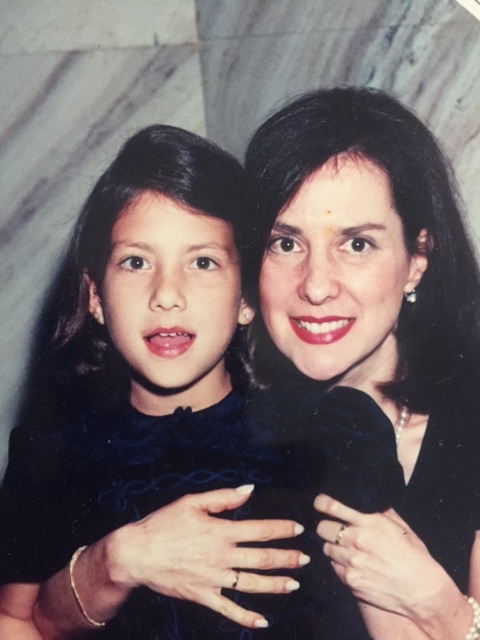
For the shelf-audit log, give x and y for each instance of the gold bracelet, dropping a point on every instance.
(71, 566)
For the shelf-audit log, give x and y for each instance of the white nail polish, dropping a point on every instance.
(303, 560)
(298, 529)
(292, 585)
(244, 489)
(261, 624)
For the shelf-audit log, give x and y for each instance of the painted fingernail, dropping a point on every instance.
(303, 560)
(261, 623)
(298, 529)
(292, 585)
(244, 489)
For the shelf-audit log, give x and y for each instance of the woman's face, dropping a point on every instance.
(334, 275)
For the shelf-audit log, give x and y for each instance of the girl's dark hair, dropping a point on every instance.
(170, 161)
(441, 330)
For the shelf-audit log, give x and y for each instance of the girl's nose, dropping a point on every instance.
(168, 293)
(319, 281)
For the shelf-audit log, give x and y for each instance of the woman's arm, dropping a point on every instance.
(16, 608)
(180, 551)
(386, 565)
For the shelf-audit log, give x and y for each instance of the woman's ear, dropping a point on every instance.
(94, 300)
(246, 313)
(419, 260)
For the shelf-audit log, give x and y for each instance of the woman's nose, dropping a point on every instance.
(319, 281)
(167, 293)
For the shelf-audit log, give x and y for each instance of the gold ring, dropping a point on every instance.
(235, 580)
(340, 533)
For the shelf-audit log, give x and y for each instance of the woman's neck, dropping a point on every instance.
(378, 368)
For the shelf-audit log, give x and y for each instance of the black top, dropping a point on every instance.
(115, 465)
(442, 499)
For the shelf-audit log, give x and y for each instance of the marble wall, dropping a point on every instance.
(256, 54)
(78, 77)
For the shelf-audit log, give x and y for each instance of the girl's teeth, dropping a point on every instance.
(174, 334)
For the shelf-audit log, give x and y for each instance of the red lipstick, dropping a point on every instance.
(169, 342)
(321, 330)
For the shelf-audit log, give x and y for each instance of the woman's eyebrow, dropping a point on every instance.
(362, 228)
(288, 229)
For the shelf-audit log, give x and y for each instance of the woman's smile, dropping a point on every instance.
(321, 330)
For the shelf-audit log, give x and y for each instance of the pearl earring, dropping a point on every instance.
(410, 296)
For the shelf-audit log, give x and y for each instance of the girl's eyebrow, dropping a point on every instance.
(133, 244)
(209, 245)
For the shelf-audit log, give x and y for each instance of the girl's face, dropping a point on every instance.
(334, 275)
(171, 300)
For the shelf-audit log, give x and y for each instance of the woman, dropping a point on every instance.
(369, 280)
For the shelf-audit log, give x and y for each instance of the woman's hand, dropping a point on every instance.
(181, 550)
(385, 564)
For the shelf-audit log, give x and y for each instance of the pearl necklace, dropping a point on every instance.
(404, 416)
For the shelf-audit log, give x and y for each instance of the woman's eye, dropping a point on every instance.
(284, 245)
(134, 263)
(358, 245)
(205, 264)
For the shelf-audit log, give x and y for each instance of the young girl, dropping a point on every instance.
(96, 510)
(153, 277)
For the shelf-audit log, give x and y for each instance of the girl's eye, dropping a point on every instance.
(204, 264)
(284, 245)
(134, 263)
(357, 245)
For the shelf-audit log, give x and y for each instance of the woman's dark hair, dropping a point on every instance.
(170, 161)
(441, 330)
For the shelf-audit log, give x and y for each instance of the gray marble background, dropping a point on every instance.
(78, 77)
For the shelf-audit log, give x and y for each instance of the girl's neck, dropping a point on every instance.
(202, 394)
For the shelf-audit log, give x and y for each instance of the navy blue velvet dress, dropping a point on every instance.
(114, 465)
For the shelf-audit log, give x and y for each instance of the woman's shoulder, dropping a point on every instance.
(458, 396)
(302, 410)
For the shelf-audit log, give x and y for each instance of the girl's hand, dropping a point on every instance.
(16, 611)
(384, 563)
(183, 551)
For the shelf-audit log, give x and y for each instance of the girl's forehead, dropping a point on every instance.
(157, 220)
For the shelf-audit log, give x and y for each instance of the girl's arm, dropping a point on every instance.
(180, 551)
(386, 565)
(16, 609)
